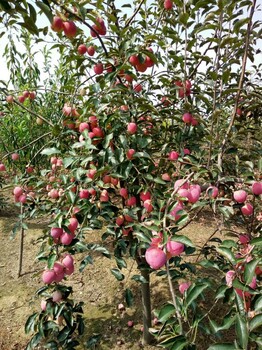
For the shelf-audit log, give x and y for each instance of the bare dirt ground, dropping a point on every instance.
(96, 286)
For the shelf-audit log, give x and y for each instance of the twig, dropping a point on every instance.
(134, 14)
(29, 144)
(240, 86)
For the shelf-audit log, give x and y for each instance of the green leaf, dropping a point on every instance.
(256, 241)
(30, 323)
(227, 253)
(194, 292)
(49, 151)
(242, 331)
(51, 260)
(46, 9)
(250, 270)
(255, 322)
(182, 239)
(87, 260)
(139, 278)
(118, 275)
(129, 297)
(166, 311)
(258, 304)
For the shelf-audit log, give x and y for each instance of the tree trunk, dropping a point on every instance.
(148, 338)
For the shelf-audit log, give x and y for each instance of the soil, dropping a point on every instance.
(96, 286)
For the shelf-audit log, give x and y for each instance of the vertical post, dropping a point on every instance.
(146, 303)
(21, 246)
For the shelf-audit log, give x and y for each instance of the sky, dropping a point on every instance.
(42, 21)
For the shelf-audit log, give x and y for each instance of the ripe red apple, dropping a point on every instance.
(212, 191)
(56, 232)
(84, 194)
(21, 98)
(15, 156)
(130, 153)
(114, 181)
(66, 238)
(32, 95)
(98, 68)
(141, 67)
(48, 276)
(58, 267)
(82, 49)
(187, 118)
(70, 29)
(120, 220)
(10, 99)
(123, 192)
(240, 196)
(29, 169)
(18, 191)
(68, 261)
(134, 60)
(173, 155)
(2, 167)
(83, 126)
(91, 50)
(247, 209)
(155, 257)
(149, 62)
(183, 287)
(131, 128)
(104, 197)
(145, 196)
(57, 24)
(178, 207)
(130, 324)
(131, 202)
(26, 94)
(148, 205)
(138, 88)
(257, 188)
(73, 224)
(175, 248)
(57, 296)
(168, 4)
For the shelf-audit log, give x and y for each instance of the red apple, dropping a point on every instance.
(57, 24)
(91, 50)
(70, 29)
(82, 49)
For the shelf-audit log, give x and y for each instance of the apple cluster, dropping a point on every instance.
(62, 268)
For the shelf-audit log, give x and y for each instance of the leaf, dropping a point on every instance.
(129, 297)
(256, 241)
(118, 275)
(258, 304)
(182, 239)
(51, 260)
(255, 322)
(194, 293)
(250, 270)
(166, 311)
(227, 253)
(87, 260)
(139, 278)
(49, 151)
(242, 331)
(46, 9)
(30, 323)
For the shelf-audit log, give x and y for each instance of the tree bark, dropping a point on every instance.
(148, 338)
